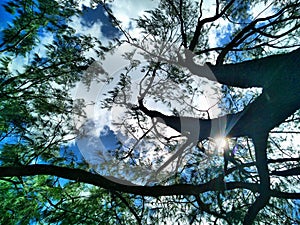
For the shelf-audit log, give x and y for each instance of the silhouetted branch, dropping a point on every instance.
(260, 143)
(79, 175)
(201, 23)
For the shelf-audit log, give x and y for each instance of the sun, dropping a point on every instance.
(221, 143)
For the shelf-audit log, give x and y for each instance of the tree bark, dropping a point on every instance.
(280, 79)
(250, 73)
(260, 144)
(78, 175)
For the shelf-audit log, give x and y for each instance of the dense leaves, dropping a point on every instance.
(178, 159)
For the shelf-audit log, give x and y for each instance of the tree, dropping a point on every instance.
(252, 178)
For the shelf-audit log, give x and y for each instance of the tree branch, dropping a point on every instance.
(244, 32)
(260, 143)
(251, 73)
(195, 128)
(131, 209)
(260, 116)
(79, 175)
(254, 209)
(201, 23)
(205, 207)
(288, 172)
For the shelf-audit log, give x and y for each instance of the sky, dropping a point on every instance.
(90, 145)
(93, 16)
(95, 22)
(124, 10)
(4, 17)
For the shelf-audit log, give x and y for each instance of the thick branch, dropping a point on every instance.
(254, 209)
(195, 128)
(78, 175)
(100, 181)
(252, 73)
(288, 172)
(260, 143)
(258, 117)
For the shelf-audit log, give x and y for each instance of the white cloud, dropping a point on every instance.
(262, 9)
(94, 30)
(82, 3)
(128, 9)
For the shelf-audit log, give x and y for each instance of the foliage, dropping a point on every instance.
(160, 144)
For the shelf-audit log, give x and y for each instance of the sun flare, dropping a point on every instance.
(221, 143)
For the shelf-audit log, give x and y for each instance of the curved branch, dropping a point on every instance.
(254, 209)
(195, 128)
(248, 28)
(260, 143)
(201, 23)
(79, 175)
(251, 73)
(260, 116)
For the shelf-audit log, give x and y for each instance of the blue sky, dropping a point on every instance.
(92, 16)
(4, 17)
(95, 16)
(89, 18)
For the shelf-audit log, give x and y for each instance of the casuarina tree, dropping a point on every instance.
(203, 115)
